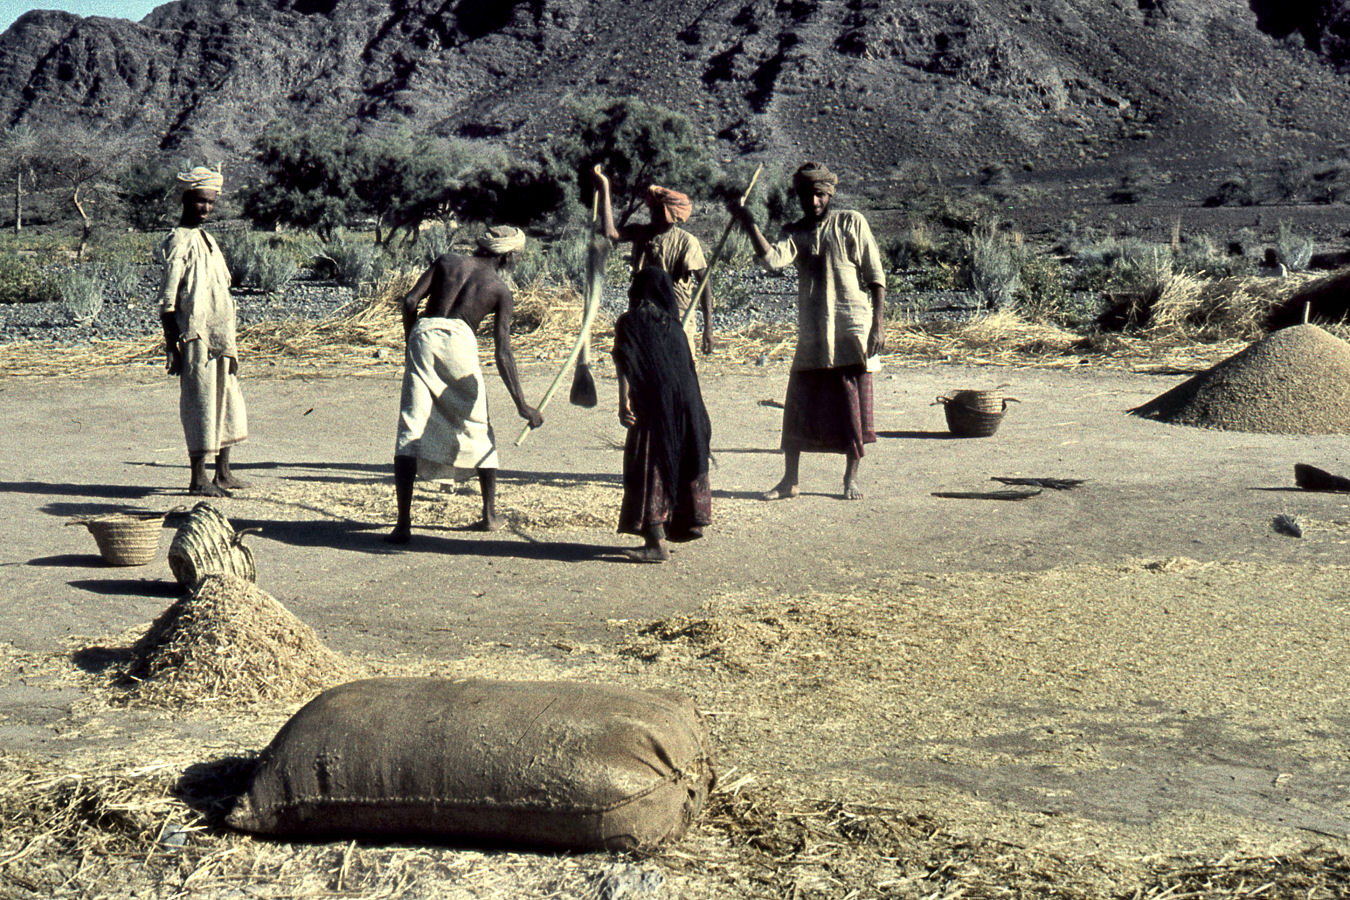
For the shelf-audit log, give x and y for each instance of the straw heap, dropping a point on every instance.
(230, 642)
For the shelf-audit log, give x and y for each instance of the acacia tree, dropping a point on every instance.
(636, 144)
(308, 179)
(81, 161)
(19, 146)
(405, 180)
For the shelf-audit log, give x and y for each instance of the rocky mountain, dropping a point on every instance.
(1054, 87)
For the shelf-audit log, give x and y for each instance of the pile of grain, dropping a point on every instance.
(1294, 381)
(230, 643)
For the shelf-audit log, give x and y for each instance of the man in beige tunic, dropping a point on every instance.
(841, 296)
(661, 243)
(198, 316)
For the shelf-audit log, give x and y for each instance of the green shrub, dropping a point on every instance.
(1042, 292)
(1140, 180)
(351, 260)
(255, 263)
(992, 266)
(81, 294)
(1293, 250)
(22, 281)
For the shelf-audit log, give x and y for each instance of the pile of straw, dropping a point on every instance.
(229, 643)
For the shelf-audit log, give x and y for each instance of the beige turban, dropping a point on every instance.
(200, 179)
(813, 176)
(502, 239)
(675, 206)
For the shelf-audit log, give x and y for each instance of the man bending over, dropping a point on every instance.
(443, 422)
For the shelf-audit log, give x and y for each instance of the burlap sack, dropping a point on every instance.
(553, 764)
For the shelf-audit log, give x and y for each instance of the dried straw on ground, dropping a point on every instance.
(1196, 322)
(1295, 381)
(934, 735)
(229, 643)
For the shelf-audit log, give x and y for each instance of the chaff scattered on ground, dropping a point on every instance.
(824, 710)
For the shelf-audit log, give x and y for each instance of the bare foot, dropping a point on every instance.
(229, 482)
(852, 491)
(488, 523)
(207, 489)
(648, 554)
(401, 534)
(781, 491)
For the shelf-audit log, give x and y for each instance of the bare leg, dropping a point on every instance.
(792, 460)
(199, 485)
(654, 550)
(223, 477)
(851, 489)
(405, 475)
(487, 483)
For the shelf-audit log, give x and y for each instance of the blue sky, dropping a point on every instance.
(122, 9)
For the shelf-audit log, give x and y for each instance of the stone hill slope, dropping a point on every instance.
(1059, 85)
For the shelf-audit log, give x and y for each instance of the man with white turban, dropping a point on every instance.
(659, 242)
(198, 315)
(841, 296)
(443, 425)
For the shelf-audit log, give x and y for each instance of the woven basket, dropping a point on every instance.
(125, 539)
(206, 544)
(974, 413)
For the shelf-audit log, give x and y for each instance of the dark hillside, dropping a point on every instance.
(1068, 89)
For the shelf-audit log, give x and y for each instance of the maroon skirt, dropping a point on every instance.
(829, 411)
(647, 500)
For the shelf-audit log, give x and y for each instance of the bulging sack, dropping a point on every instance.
(553, 764)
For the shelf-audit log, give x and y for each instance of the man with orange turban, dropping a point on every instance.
(661, 243)
(841, 297)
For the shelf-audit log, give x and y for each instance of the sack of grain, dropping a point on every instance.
(552, 764)
(206, 544)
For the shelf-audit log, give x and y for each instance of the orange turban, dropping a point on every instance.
(676, 206)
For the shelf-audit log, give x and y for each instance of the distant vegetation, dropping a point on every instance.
(342, 206)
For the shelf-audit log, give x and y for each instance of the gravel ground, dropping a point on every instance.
(133, 314)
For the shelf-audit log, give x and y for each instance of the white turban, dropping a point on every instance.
(200, 179)
(502, 239)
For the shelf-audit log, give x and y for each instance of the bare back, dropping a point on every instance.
(465, 288)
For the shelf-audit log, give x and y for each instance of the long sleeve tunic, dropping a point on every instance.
(196, 290)
(837, 261)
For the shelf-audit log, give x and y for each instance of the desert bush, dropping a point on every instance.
(561, 261)
(992, 266)
(1329, 181)
(351, 259)
(1293, 250)
(255, 263)
(1140, 180)
(1235, 190)
(1199, 255)
(636, 144)
(1290, 178)
(144, 189)
(1042, 293)
(81, 294)
(22, 280)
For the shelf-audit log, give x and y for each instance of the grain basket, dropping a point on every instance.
(974, 413)
(206, 544)
(127, 538)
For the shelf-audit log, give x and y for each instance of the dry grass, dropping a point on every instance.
(227, 644)
(875, 745)
(1194, 324)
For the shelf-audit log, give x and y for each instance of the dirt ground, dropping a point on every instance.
(1135, 669)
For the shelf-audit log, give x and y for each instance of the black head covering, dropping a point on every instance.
(652, 352)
